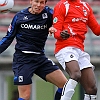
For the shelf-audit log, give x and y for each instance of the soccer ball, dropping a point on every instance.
(6, 5)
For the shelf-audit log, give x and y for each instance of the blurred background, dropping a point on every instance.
(42, 90)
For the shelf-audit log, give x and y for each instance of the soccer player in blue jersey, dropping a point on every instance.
(30, 27)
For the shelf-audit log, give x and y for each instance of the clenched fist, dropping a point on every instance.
(64, 34)
(52, 30)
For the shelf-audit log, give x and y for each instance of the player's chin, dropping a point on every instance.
(38, 12)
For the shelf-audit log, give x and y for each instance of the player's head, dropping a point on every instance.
(37, 6)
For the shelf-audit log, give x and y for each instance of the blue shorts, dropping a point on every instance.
(25, 65)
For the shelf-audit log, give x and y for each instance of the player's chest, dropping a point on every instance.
(77, 13)
(34, 24)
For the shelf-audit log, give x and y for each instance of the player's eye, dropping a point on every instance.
(43, 2)
(36, 1)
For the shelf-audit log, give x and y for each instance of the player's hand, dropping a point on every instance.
(52, 30)
(64, 34)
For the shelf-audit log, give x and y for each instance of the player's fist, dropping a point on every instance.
(52, 30)
(64, 34)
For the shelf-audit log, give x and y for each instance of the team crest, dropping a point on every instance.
(85, 12)
(44, 15)
(55, 20)
(20, 78)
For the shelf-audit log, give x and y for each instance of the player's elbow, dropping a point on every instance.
(96, 31)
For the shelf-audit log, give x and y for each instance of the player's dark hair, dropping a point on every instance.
(45, 0)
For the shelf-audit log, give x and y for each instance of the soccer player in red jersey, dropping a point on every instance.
(71, 18)
(30, 28)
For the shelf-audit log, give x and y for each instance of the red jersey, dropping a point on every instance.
(73, 16)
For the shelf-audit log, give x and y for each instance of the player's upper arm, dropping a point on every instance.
(93, 24)
(58, 19)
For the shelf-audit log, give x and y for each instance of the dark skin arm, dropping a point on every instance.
(64, 34)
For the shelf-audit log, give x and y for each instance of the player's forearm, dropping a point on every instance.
(6, 41)
(96, 31)
(57, 34)
(4, 44)
(93, 24)
(95, 27)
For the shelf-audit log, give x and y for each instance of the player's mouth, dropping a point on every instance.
(37, 9)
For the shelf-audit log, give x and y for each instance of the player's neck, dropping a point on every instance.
(32, 12)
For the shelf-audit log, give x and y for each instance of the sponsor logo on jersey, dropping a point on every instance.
(29, 26)
(79, 19)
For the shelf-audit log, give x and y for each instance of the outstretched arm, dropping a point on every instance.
(7, 40)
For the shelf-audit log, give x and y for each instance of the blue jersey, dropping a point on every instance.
(30, 30)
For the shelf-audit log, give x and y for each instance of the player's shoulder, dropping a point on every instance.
(6, 5)
(87, 5)
(83, 2)
(48, 9)
(22, 12)
(60, 4)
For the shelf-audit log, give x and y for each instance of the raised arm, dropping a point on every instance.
(7, 40)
